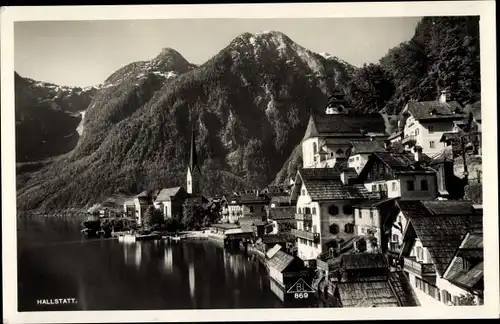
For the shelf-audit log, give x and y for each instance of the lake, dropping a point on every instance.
(56, 261)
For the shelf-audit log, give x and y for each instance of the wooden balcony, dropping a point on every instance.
(306, 235)
(418, 268)
(303, 217)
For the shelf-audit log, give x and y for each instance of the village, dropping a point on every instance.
(371, 218)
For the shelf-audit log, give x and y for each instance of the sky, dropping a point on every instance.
(85, 53)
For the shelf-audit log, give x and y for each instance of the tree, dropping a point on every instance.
(153, 218)
(192, 214)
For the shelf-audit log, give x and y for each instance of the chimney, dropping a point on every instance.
(344, 177)
(418, 153)
(442, 96)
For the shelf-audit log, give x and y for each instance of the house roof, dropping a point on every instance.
(335, 190)
(225, 226)
(233, 231)
(280, 199)
(272, 251)
(167, 193)
(250, 198)
(330, 124)
(395, 134)
(441, 228)
(403, 289)
(287, 212)
(319, 174)
(371, 293)
(359, 147)
(277, 238)
(471, 248)
(450, 136)
(428, 110)
(129, 203)
(403, 162)
(280, 261)
(359, 261)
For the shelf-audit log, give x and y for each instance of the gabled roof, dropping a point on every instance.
(319, 174)
(440, 226)
(356, 294)
(428, 110)
(280, 261)
(471, 248)
(362, 261)
(374, 203)
(167, 193)
(395, 134)
(280, 199)
(402, 161)
(278, 238)
(272, 251)
(360, 147)
(287, 212)
(331, 124)
(320, 190)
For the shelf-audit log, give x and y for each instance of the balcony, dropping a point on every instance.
(310, 236)
(409, 140)
(303, 217)
(420, 269)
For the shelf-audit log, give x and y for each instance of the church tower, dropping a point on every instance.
(194, 171)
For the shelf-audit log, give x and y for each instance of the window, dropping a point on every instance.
(251, 209)
(357, 213)
(446, 296)
(262, 208)
(333, 210)
(349, 228)
(334, 229)
(189, 182)
(314, 210)
(372, 213)
(331, 153)
(395, 238)
(299, 210)
(431, 129)
(374, 188)
(347, 210)
(315, 148)
(303, 192)
(394, 186)
(410, 185)
(424, 185)
(416, 132)
(466, 264)
(357, 158)
(307, 210)
(432, 144)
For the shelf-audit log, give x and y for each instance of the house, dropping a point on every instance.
(250, 203)
(284, 268)
(369, 219)
(426, 122)
(283, 218)
(403, 174)
(170, 201)
(129, 208)
(219, 230)
(142, 202)
(328, 136)
(285, 240)
(324, 211)
(433, 233)
(360, 151)
(364, 280)
(464, 275)
(258, 225)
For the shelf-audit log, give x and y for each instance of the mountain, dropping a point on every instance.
(47, 117)
(249, 105)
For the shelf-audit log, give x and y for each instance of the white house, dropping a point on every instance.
(402, 175)
(170, 201)
(324, 211)
(328, 136)
(428, 249)
(360, 152)
(426, 122)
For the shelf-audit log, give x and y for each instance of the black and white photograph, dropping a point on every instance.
(180, 158)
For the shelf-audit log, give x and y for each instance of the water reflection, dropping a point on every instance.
(112, 275)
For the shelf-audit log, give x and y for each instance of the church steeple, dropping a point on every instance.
(193, 158)
(193, 172)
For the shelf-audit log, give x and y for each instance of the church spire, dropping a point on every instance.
(193, 161)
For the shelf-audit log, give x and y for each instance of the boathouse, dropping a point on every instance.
(284, 268)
